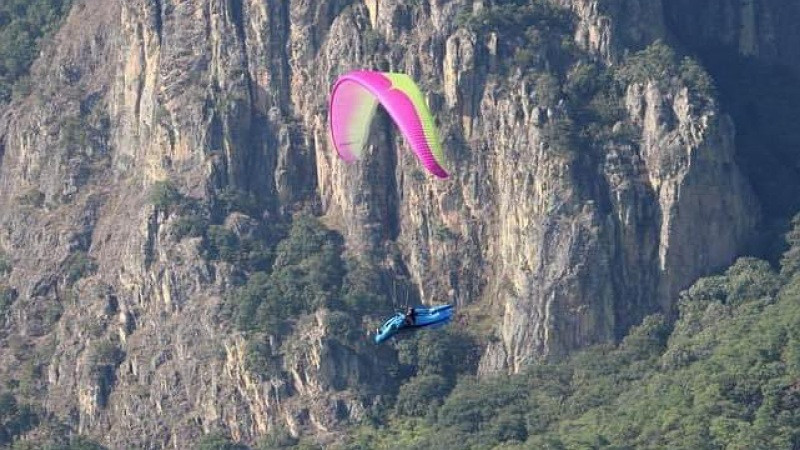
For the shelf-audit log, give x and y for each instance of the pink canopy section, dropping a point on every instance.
(353, 102)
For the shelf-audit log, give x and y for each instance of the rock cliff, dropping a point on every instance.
(553, 244)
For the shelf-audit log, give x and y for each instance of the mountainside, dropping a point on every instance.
(162, 276)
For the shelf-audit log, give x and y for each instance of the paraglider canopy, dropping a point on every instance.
(353, 102)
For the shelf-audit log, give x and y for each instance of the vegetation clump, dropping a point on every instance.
(15, 418)
(5, 264)
(660, 63)
(532, 33)
(306, 274)
(23, 24)
(78, 265)
(7, 297)
(165, 195)
(32, 197)
(225, 245)
(218, 441)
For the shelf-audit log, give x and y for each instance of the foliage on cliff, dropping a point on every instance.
(23, 23)
(17, 419)
(306, 275)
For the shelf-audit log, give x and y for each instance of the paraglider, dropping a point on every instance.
(422, 317)
(354, 100)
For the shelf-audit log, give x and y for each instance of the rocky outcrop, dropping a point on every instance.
(608, 28)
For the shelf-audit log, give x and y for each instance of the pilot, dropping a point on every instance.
(411, 315)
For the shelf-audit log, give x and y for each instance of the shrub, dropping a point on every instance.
(559, 135)
(658, 62)
(15, 418)
(52, 312)
(78, 443)
(306, 274)
(32, 197)
(372, 41)
(248, 253)
(5, 264)
(259, 360)
(23, 24)
(790, 262)
(648, 339)
(446, 352)
(234, 200)
(218, 441)
(583, 81)
(473, 404)
(607, 108)
(417, 175)
(750, 279)
(104, 353)
(74, 132)
(78, 265)
(696, 77)
(7, 297)
(22, 88)
(278, 438)
(530, 32)
(257, 308)
(524, 57)
(165, 195)
(420, 394)
(222, 243)
(342, 327)
(442, 233)
(362, 290)
(547, 89)
(192, 225)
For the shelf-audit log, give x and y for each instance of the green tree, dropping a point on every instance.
(23, 25)
(218, 441)
(222, 243)
(78, 265)
(231, 200)
(7, 297)
(78, 443)
(790, 262)
(164, 195)
(5, 264)
(658, 62)
(191, 225)
(15, 418)
(278, 438)
(421, 394)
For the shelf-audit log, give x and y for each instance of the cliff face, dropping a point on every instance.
(650, 216)
(761, 93)
(754, 28)
(560, 249)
